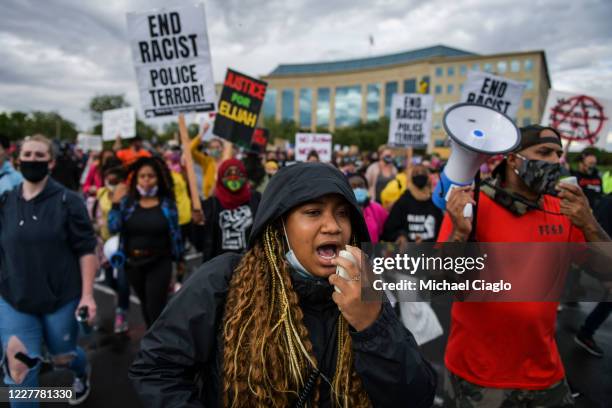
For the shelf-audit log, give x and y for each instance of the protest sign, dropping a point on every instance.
(119, 122)
(239, 106)
(578, 117)
(502, 94)
(89, 143)
(410, 120)
(319, 142)
(172, 60)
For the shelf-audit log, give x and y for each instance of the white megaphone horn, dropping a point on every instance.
(476, 132)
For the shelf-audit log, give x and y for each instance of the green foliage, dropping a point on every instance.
(17, 125)
(281, 130)
(368, 136)
(100, 103)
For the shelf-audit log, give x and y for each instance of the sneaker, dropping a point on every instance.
(587, 343)
(80, 389)
(121, 323)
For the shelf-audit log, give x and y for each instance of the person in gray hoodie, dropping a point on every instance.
(47, 268)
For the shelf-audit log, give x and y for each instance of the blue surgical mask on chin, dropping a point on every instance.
(294, 262)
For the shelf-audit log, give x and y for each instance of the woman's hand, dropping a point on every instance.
(357, 313)
(120, 192)
(90, 302)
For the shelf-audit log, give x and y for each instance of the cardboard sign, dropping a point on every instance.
(239, 106)
(119, 122)
(260, 140)
(319, 142)
(410, 120)
(172, 60)
(502, 94)
(578, 117)
(89, 143)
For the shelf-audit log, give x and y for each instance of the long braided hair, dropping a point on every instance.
(267, 353)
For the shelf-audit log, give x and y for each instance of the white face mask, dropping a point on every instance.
(110, 187)
(294, 262)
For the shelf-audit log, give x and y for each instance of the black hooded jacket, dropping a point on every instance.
(179, 364)
(41, 242)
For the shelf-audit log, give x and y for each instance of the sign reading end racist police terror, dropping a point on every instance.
(410, 120)
(239, 106)
(172, 60)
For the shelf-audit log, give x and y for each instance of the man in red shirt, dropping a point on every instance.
(505, 353)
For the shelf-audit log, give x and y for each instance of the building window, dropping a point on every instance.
(488, 67)
(449, 89)
(502, 67)
(439, 143)
(437, 107)
(287, 111)
(348, 105)
(323, 107)
(463, 70)
(460, 88)
(410, 86)
(529, 85)
(450, 71)
(515, 66)
(305, 107)
(437, 125)
(269, 105)
(372, 101)
(439, 71)
(438, 89)
(527, 103)
(476, 67)
(526, 121)
(390, 89)
(528, 65)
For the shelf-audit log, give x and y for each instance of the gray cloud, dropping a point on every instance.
(58, 54)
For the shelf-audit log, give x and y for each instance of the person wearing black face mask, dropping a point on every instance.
(588, 177)
(515, 339)
(380, 172)
(414, 217)
(47, 253)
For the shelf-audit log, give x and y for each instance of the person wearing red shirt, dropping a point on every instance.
(505, 353)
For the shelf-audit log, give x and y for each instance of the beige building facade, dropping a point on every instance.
(334, 94)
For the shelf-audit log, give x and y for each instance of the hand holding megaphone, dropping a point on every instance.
(459, 199)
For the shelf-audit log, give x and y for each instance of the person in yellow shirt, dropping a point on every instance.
(217, 152)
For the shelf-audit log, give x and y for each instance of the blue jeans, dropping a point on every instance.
(58, 330)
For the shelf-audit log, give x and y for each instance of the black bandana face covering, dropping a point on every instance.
(34, 171)
(539, 175)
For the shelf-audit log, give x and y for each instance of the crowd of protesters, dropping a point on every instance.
(60, 207)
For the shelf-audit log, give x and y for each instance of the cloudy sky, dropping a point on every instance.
(57, 54)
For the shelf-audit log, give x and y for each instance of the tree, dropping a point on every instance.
(101, 103)
(17, 125)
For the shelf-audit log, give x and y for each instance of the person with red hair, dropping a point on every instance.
(230, 212)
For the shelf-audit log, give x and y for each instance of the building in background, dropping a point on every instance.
(327, 95)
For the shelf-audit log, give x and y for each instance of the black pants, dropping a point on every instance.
(151, 281)
(596, 318)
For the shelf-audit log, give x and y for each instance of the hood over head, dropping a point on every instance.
(301, 183)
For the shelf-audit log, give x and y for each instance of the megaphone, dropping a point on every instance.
(111, 252)
(476, 132)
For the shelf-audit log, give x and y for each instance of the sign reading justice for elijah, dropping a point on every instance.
(172, 60)
(502, 94)
(239, 106)
(410, 120)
